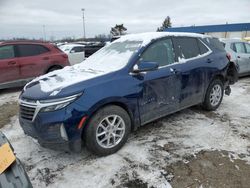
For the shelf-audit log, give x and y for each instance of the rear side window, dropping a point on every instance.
(203, 48)
(239, 47)
(7, 52)
(187, 47)
(161, 52)
(247, 48)
(25, 50)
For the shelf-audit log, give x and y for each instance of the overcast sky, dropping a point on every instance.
(25, 18)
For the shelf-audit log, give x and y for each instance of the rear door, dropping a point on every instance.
(33, 59)
(190, 53)
(160, 88)
(76, 55)
(9, 68)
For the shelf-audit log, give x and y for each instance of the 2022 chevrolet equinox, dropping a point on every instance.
(128, 83)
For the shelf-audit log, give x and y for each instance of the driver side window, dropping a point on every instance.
(7, 52)
(161, 52)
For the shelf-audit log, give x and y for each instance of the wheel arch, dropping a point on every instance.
(108, 102)
(221, 77)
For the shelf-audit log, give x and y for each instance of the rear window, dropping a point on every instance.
(187, 47)
(77, 49)
(215, 43)
(7, 52)
(25, 50)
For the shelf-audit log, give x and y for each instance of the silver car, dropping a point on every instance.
(240, 54)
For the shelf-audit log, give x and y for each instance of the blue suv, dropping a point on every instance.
(132, 81)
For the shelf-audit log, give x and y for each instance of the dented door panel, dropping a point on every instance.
(160, 91)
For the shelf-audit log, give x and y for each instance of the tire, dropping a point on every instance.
(54, 68)
(214, 95)
(111, 137)
(14, 175)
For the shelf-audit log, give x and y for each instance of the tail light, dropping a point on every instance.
(65, 55)
(228, 56)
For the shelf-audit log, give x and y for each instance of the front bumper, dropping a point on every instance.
(56, 130)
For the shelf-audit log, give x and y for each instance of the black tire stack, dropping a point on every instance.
(14, 176)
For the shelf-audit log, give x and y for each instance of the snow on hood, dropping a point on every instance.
(105, 61)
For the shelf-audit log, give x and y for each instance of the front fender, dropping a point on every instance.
(127, 104)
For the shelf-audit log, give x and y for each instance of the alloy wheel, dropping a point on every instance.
(215, 95)
(110, 131)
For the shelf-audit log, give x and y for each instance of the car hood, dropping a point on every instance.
(64, 82)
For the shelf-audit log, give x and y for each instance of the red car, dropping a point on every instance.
(21, 61)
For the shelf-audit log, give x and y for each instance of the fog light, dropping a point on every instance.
(63, 133)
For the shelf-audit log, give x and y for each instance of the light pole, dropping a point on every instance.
(44, 33)
(83, 22)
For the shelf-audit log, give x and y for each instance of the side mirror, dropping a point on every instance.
(145, 66)
(72, 51)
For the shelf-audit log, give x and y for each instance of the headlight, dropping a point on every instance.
(57, 104)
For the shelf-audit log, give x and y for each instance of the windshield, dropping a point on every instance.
(113, 56)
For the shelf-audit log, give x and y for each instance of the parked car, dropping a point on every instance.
(22, 61)
(93, 48)
(75, 52)
(133, 81)
(240, 53)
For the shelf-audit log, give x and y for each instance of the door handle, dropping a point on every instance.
(209, 60)
(11, 63)
(238, 56)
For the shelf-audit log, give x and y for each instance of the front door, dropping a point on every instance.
(160, 89)
(9, 68)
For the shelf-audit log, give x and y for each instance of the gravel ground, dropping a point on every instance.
(191, 148)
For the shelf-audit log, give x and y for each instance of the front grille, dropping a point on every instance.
(27, 112)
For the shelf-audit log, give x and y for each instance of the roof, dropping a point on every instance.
(22, 41)
(212, 28)
(148, 37)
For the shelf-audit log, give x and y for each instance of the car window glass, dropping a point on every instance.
(31, 50)
(215, 43)
(188, 47)
(7, 52)
(239, 46)
(232, 46)
(77, 49)
(203, 48)
(161, 52)
(42, 49)
(247, 48)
